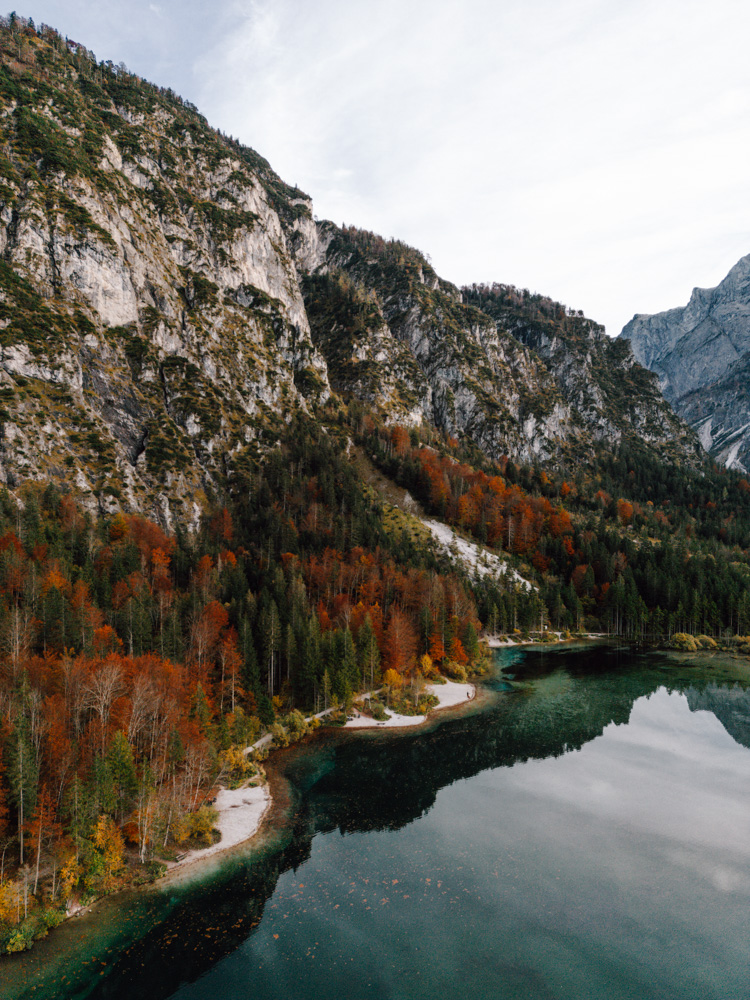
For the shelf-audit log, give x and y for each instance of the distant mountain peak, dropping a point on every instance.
(701, 354)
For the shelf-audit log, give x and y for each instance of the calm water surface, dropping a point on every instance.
(583, 832)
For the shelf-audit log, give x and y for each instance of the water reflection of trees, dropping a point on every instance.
(360, 782)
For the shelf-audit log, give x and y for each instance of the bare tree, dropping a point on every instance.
(102, 689)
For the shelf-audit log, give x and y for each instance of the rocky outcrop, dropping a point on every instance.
(701, 354)
(395, 334)
(613, 397)
(167, 303)
(153, 328)
(473, 361)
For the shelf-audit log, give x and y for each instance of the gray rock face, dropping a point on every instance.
(701, 354)
(167, 303)
(152, 327)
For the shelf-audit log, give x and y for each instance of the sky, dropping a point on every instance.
(595, 151)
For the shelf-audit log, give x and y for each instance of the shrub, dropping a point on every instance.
(236, 763)
(280, 735)
(456, 671)
(705, 642)
(20, 940)
(378, 711)
(296, 725)
(684, 642)
(202, 823)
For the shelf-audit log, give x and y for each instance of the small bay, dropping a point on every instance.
(582, 830)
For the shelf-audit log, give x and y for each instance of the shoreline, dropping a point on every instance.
(241, 814)
(242, 810)
(449, 695)
(494, 642)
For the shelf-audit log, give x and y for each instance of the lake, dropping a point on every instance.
(581, 831)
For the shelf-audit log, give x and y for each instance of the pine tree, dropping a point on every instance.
(369, 654)
(122, 769)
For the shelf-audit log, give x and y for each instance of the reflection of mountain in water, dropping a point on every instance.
(359, 782)
(730, 705)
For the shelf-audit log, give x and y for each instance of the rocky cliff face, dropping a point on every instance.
(598, 379)
(395, 334)
(152, 322)
(166, 302)
(479, 361)
(701, 354)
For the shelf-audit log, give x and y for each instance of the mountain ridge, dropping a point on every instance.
(701, 353)
(168, 303)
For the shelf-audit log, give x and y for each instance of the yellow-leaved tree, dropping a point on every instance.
(110, 848)
(393, 681)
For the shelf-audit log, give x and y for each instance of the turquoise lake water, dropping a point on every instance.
(583, 831)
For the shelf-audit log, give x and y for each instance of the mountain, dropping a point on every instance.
(614, 398)
(701, 354)
(252, 463)
(152, 321)
(516, 373)
(168, 303)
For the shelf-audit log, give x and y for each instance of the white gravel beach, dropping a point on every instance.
(449, 695)
(240, 813)
(241, 810)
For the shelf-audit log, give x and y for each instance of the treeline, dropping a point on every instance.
(531, 304)
(137, 663)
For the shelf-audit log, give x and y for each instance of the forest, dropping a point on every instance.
(137, 664)
(631, 546)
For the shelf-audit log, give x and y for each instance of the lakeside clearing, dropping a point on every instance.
(241, 812)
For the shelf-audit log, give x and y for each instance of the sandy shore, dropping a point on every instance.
(494, 643)
(448, 695)
(241, 811)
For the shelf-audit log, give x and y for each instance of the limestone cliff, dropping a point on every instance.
(167, 302)
(701, 354)
(530, 386)
(152, 323)
(397, 335)
(598, 378)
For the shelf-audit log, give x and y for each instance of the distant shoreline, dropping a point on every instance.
(494, 642)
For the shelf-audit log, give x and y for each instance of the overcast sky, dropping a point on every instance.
(596, 151)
